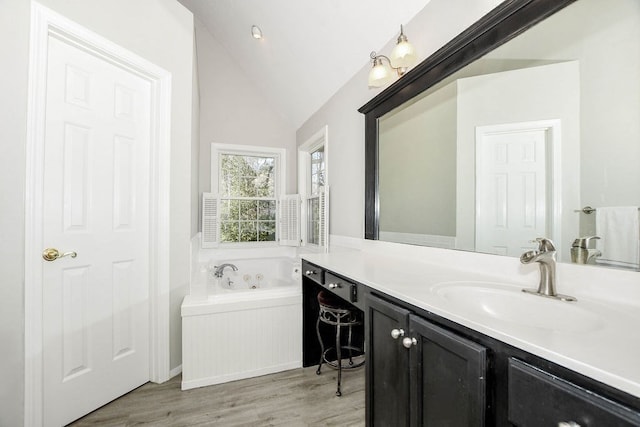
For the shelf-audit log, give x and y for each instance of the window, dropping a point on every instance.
(313, 186)
(246, 183)
(247, 198)
(316, 180)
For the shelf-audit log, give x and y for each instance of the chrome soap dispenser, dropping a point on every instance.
(580, 252)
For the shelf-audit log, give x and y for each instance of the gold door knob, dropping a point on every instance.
(52, 254)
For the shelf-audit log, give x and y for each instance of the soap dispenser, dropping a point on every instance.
(580, 252)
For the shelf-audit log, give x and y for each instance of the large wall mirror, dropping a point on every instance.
(525, 125)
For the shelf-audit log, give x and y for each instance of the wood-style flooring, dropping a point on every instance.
(293, 398)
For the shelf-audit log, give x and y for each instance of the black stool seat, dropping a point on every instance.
(330, 300)
(339, 313)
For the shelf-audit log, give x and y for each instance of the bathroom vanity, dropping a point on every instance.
(446, 346)
(450, 338)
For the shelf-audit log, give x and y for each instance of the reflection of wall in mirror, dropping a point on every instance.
(531, 94)
(605, 38)
(600, 40)
(417, 170)
(426, 178)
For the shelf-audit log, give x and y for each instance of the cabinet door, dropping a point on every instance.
(448, 378)
(539, 398)
(387, 364)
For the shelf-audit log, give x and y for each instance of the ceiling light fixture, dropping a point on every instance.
(256, 32)
(403, 56)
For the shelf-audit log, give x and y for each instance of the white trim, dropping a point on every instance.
(175, 371)
(280, 154)
(553, 152)
(247, 150)
(44, 24)
(317, 140)
(433, 240)
(220, 379)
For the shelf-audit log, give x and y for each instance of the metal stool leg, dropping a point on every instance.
(350, 346)
(337, 317)
(339, 356)
(321, 346)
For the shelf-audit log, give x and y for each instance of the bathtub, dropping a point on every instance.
(248, 322)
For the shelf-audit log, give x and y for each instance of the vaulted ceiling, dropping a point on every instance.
(310, 48)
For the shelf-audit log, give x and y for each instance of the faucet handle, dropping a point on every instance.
(544, 244)
(583, 242)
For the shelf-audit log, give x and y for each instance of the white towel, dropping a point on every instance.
(619, 234)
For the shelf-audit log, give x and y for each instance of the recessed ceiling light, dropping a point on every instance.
(256, 32)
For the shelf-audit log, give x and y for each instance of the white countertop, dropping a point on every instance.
(599, 339)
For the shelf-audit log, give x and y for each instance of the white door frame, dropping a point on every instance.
(553, 152)
(44, 24)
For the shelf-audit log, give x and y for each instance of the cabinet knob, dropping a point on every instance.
(309, 272)
(568, 424)
(334, 285)
(409, 342)
(397, 333)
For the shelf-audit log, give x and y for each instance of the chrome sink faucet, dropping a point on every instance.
(545, 256)
(219, 269)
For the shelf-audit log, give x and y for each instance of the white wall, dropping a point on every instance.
(604, 39)
(417, 146)
(434, 26)
(233, 111)
(554, 95)
(161, 31)
(14, 50)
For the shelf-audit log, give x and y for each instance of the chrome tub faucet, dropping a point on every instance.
(219, 269)
(545, 256)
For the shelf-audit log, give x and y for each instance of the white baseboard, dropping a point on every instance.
(175, 371)
(202, 382)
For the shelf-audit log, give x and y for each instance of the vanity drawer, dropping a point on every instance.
(342, 287)
(313, 272)
(537, 398)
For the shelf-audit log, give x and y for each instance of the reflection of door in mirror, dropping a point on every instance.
(579, 67)
(551, 105)
(511, 187)
(428, 166)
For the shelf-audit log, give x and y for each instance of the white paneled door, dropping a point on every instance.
(511, 176)
(96, 204)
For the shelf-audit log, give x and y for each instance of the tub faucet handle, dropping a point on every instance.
(219, 269)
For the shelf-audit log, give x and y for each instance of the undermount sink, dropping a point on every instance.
(509, 304)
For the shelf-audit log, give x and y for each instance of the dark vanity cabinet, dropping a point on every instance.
(538, 398)
(316, 279)
(419, 373)
(425, 370)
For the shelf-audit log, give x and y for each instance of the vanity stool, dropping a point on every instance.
(336, 312)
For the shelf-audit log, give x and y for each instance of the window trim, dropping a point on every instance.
(317, 140)
(280, 155)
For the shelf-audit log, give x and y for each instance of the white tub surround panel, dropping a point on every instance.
(224, 342)
(606, 348)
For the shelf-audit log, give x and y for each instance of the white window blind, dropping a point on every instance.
(210, 230)
(323, 214)
(289, 220)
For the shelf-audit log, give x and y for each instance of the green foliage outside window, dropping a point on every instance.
(248, 199)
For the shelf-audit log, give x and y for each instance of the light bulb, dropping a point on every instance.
(403, 55)
(256, 32)
(380, 74)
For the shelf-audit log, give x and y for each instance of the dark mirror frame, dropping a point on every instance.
(508, 20)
